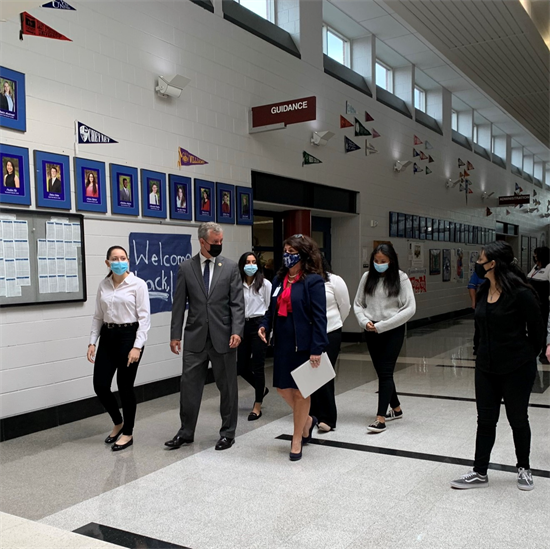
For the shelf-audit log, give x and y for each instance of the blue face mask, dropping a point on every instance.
(290, 260)
(381, 267)
(119, 267)
(250, 270)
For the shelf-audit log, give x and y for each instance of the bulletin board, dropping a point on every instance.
(42, 257)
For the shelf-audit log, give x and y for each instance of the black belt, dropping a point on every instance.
(111, 326)
(253, 318)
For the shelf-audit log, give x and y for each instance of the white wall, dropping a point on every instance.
(106, 77)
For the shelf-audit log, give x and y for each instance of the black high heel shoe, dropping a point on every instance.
(295, 456)
(314, 422)
(110, 439)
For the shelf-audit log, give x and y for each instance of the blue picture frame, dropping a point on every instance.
(205, 200)
(181, 197)
(225, 200)
(124, 202)
(13, 107)
(90, 197)
(245, 206)
(153, 204)
(19, 159)
(53, 180)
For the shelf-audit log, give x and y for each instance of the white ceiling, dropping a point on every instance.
(488, 53)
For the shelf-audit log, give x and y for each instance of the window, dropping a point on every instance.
(335, 46)
(384, 76)
(476, 133)
(263, 8)
(419, 99)
(454, 120)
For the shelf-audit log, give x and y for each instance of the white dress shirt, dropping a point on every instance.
(540, 274)
(212, 265)
(154, 199)
(256, 303)
(125, 304)
(338, 304)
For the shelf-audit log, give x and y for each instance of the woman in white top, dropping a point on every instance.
(383, 304)
(323, 403)
(121, 322)
(539, 278)
(251, 351)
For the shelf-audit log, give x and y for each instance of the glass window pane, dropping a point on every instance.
(381, 76)
(335, 48)
(259, 7)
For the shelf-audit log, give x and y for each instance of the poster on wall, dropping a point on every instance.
(153, 194)
(416, 253)
(446, 265)
(181, 197)
(473, 259)
(124, 190)
(89, 176)
(418, 280)
(15, 187)
(435, 262)
(13, 111)
(225, 212)
(53, 177)
(459, 264)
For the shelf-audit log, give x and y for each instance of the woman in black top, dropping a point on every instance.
(510, 329)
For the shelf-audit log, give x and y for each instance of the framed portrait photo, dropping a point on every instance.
(15, 184)
(225, 199)
(205, 200)
(153, 194)
(393, 223)
(124, 190)
(13, 110)
(91, 195)
(181, 197)
(53, 180)
(245, 206)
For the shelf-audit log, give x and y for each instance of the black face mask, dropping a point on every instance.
(215, 249)
(480, 271)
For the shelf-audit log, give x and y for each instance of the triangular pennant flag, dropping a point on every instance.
(309, 159)
(518, 190)
(462, 187)
(185, 158)
(469, 166)
(375, 133)
(470, 191)
(360, 129)
(428, 171)
(416, 169)
(417, 140)
(488, 212)
(87, 135)
(58, 5)
(468, 182)
(461, 174)
(507, 212)
(427, 145)
(369, 148)
(534, 192)
(415, 153)
(430, 159)
(33, 27)
(350, 109)
(345, 123)
(460, 163)
(368, 117)
(466, 174)
(350, 146)
(423, 156)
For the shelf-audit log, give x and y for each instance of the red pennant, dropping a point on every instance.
(417, 140)
(469, 165)
(430, 159)
(33, 27)
(375, 133)
(423, 156)
(368, 117)
(488, 212)
(466, 174)
(345, 123)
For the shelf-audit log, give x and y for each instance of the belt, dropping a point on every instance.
(111, 326)
(253, 318)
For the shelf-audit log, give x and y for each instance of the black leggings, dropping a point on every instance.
(514, 388)
(384, 350)
(111, 356)
(251, 357)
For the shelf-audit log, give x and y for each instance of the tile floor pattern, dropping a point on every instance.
(252, 496)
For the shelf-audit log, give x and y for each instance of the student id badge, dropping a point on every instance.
(276, 292)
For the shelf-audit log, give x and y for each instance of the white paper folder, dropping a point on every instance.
(309, 379)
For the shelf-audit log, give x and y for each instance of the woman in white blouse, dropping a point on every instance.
(121, 322)
(539, 278)
(383, 304)
(323, 403)
(251, 351)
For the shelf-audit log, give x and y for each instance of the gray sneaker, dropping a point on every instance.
(470, 480)
(525, 479)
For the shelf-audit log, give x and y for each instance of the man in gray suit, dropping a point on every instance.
(212, 286)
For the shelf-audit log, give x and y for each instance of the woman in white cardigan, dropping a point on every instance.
(383, 304)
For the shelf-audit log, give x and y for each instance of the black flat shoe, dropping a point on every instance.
(224, 443)
(253, 416)
(118, 447)
(306, 440)
(178, 442)
(110, 439)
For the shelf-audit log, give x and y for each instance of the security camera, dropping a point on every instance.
(449, 183)
(485, 195)
(171, 86)
(321, 138)
(401, 165)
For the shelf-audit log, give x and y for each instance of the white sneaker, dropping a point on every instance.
(525, 479)
(470, 480)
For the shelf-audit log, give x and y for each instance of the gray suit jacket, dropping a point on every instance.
(220, 314)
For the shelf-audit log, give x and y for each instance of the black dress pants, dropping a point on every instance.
(514, 388)
(111, 357)
(384, 350)
(251, 357)
(323, 401)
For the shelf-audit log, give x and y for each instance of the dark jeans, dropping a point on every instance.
(384, 350)
(514, 388)
(323, 403)
(251, 358)
(111, 357)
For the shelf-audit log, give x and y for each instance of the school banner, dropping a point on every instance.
(309, 159)
(185, 158)
(59, 5)
(87, 135)
(33, 27)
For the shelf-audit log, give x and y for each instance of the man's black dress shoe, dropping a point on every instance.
(178, 442)
(110, 439)
(117, 447)
(225, 443)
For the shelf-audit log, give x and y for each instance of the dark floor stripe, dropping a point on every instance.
(454, 366)
(462, 399)
(414, 455)
(124, 538)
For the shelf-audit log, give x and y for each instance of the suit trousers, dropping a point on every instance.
(193, 378)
